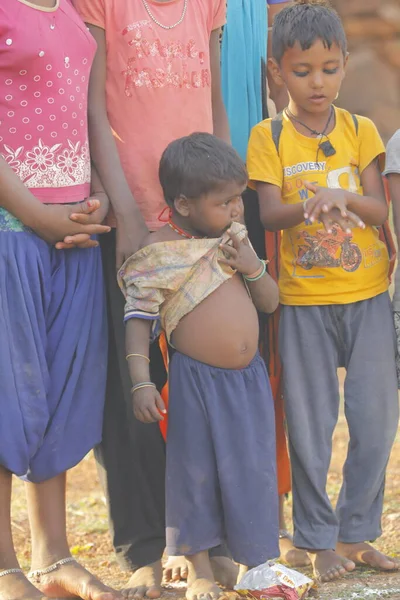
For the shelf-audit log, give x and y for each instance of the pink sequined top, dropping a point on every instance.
(45, 60)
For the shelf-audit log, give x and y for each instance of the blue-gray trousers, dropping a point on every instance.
(314, 342)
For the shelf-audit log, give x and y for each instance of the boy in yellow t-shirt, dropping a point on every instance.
(318, 176)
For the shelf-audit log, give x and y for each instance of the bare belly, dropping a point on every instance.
(221, 331)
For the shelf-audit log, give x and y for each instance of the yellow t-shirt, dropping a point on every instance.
(316, 267)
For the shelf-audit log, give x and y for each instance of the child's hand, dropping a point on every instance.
(334, 217)
(148, 405)
(241, 255)
(326, 199)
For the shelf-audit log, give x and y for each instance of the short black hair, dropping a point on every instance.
(305, 22)
(197, 164)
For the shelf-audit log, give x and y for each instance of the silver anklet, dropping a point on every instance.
(10, 572)
(39, 572)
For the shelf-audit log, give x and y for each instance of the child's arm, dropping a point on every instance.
(130, 224)
(275, 215)
(242, 257)
(371, 208)
(220, 118)
(394, 189)
(147, 402)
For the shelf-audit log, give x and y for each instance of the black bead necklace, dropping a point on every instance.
(326, 147)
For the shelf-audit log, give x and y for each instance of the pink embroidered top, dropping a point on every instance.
(45, 60)
(158, 81)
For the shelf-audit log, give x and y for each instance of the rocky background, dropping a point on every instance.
(372, 84)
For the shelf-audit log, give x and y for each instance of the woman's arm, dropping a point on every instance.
(131, 227)
(220, 118)
(50, 222)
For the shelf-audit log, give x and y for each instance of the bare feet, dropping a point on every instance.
(225, 571)
(329, 566)
(294, 557)
(365, 554)
(145, 582)
(71, 580)
(17, 587)
(204, 589)
(201, 583)
(176, 569)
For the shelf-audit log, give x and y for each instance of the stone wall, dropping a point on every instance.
(372, 83)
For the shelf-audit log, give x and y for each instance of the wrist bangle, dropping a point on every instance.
(135, 354)
(259, 274)
(256, 273)
(144, 384)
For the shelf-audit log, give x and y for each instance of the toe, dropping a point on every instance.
(349, 565)
(168, 575)
(153, 592)
(176, 574)
(138, 593)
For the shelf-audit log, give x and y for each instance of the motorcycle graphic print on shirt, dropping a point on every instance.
(324, 249)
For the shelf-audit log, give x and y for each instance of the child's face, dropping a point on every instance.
(214, 213)
(313, 77)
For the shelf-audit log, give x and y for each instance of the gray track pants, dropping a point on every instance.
(314, 342)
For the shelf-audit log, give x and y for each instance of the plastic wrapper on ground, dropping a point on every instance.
(274, 581)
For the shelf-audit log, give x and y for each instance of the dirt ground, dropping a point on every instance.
(90, 541)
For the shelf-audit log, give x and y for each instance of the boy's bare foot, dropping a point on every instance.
(329, 566)
(145, 582)
(72, 580)
(176, 569)
(17, 587)
(365, 554)
(201, 582)
(294, 557)
(225, 571)
(204, 589)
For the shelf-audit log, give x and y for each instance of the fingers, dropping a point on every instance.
(355, 219)
(327, 223)
(310, 187)
(310, 206)
(226, 261)
(82, 218)
(229, 250)
(146, 416)
(317, 208)
(96, 229)
(148, 406)
(78, 238)
(160, 404)
(88, 206)
(234, 238)
(89, 243)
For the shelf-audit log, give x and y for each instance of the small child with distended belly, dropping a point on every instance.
(199, 278)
